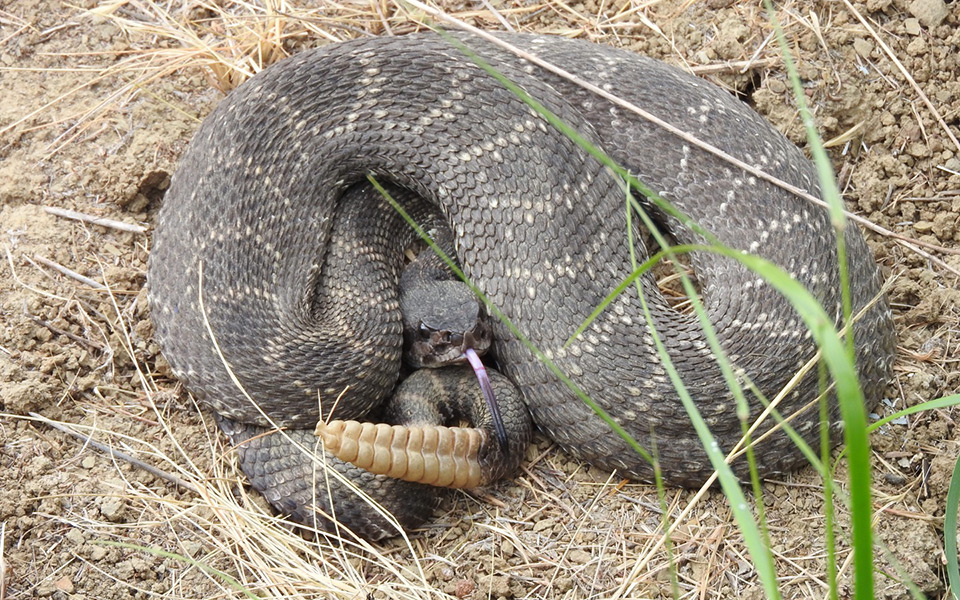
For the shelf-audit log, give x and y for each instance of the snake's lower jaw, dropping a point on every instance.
(431, 454)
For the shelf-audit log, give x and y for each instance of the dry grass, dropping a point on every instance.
(554, 532)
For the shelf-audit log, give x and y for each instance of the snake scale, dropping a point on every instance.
(539, 225)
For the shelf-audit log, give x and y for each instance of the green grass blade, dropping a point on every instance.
(945, 402)
(759, 553)
(851, 406)
(950, 532)
(754, 537)
(829, 514)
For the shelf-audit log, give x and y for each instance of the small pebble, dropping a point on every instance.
(464, 588)
(111, 508)
(543, 524)
(192, 548)
(75, 536)
(894, 479)
(930, 13)
(64, 585)
(863, 47)
(917, 47)
(776, 86)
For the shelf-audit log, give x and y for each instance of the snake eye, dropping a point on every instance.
(424, 330)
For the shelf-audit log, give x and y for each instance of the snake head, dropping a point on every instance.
(441, 323)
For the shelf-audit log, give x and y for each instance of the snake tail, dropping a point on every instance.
(431, 454)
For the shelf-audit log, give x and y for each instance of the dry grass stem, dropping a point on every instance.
(102, 221)
(70, 273)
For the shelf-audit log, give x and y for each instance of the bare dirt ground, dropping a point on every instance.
(76, 133)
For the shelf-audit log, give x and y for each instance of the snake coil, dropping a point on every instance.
(301, 303)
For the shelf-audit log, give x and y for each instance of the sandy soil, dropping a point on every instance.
(73, 136)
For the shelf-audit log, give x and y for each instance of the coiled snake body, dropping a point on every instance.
(540, 226)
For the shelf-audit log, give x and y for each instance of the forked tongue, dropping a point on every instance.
(489, 398)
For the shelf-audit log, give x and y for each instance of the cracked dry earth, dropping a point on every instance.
(79, 352)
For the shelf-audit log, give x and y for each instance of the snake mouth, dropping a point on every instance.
(432, 348)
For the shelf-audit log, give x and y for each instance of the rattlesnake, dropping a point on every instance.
(540, 227)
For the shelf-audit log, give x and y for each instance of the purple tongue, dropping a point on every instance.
(491, 400)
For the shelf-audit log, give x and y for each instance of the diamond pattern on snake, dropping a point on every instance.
(267, 220)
